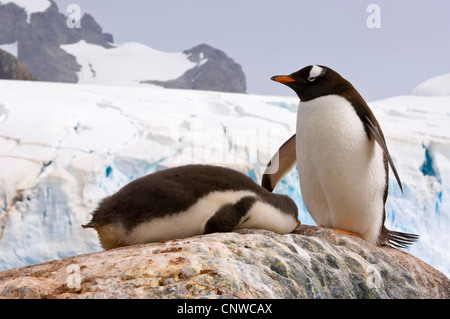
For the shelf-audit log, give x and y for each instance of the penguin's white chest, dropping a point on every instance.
(341, 171)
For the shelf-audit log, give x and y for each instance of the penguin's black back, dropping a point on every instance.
(174, 190)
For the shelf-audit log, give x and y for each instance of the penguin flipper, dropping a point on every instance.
(281, 163)
(229, 216)
(376, 135)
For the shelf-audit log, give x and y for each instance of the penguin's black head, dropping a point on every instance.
(314, 81)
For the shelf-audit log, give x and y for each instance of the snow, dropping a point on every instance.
(10, 48)
(437, 86)
(126, 64)
(63, 147)
(202, 58)
(30, 6)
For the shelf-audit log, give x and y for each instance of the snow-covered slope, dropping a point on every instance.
(437, 86)
(64, 147)
(133, 64)
(10, 48)
(126, 64)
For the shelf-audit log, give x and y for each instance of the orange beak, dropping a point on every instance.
(282, 79)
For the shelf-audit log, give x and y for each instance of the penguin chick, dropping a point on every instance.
(186, 201)
(341, 155)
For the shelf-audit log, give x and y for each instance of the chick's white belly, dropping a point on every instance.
(341, 171)
(186, 223)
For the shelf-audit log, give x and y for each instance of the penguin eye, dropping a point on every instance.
(311, 79)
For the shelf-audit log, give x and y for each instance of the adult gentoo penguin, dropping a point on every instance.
(186, 201)
(341, 155)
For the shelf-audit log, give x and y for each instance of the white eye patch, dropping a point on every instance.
(315, 72)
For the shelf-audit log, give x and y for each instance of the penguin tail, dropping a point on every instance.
(397, 239)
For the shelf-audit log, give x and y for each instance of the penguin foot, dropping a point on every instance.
(347, 232)
(344, 232)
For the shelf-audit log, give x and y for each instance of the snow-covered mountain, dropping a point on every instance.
(38, 34)
(437, 86)
(134, 64)
(63, 147)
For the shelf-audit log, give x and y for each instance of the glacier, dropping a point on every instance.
(63, 147)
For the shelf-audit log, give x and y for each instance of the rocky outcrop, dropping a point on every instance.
(13, 69)
(309, 263)
(215, 71)
(39, 39)
(92, 32)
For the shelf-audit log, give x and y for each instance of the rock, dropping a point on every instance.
(215, 71)
(309, 263)
(92, 32)
(13, 69)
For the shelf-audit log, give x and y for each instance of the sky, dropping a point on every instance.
(410, 44)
